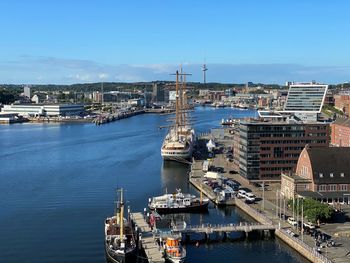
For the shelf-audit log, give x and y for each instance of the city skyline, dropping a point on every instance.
(270, 42)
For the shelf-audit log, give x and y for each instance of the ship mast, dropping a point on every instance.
(181, 100)
(184, 102)
(177, 121)
(179, 107)
(121, 225)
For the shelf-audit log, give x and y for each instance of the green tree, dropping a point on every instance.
(8, 96)
(314, 211)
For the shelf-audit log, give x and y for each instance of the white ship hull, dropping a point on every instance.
(173, 154)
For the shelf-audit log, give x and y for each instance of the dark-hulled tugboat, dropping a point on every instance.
(120, 243)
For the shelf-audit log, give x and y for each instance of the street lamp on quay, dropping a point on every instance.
(302, 219)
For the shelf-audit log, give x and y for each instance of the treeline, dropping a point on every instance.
(109, 86)
(146, 86)
(9, 95)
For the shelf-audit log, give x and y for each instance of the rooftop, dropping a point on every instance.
(343, 121)
(323, 194)
(330, 165)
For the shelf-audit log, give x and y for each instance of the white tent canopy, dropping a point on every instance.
(211, 145)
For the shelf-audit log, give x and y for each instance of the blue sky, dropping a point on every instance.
(269, 41)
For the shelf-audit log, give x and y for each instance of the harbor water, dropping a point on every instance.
(58, 182)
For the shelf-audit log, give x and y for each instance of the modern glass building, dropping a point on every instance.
(305, 100)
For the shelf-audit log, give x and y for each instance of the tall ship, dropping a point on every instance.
(120, 242)
(179, 142)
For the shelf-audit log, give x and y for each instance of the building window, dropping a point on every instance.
(341, 174)
(332, 187)
(331, 175)
(322, 188)
(321, 175)
(343, 187)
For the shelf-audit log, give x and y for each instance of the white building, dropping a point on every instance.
(305, 100)
(50, 110)
(26, 92)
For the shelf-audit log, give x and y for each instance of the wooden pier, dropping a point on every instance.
(153, 252)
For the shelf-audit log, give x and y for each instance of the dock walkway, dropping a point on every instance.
(244, 227)
(149, 245)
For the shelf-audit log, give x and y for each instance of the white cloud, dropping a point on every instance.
(103, 76)
(26, 69)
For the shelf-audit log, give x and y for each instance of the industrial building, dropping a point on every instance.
(49, 110)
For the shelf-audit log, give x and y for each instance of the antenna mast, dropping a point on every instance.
(204, 69)
(102, 99)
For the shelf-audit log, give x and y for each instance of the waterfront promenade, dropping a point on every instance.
(304, 244)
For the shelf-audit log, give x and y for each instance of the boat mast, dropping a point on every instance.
(117, 211)
(184, 102)
(181, 99)
(177, 105)
(121, 215)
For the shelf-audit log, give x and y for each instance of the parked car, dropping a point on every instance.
(292, 221)
(217, 190)
(241, 193)
(249, 197)
(309, 225)
(236, 182)
(232, 184)
(291, 233)
(219, 169)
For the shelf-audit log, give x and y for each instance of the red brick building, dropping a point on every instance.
(322, 173)
(342, 102)
(340, 132)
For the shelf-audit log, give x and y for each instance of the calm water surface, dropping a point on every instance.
(57, 185)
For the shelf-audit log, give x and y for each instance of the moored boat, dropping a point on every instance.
(179, 142)
(120, 243)
(174, 251)
(178, 202)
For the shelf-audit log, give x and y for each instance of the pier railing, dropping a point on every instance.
(310, 249)
(243, 226)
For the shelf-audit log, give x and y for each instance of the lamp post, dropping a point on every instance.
(302, 220)
(276, 203)
(297, 216)
(284, 207)
(293, 205)
(263, 197)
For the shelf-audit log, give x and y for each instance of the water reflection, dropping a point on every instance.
(174, 176)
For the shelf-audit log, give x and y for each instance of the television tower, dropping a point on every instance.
(204, 69)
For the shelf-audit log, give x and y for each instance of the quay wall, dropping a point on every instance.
(302, 248)
(259, 217)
